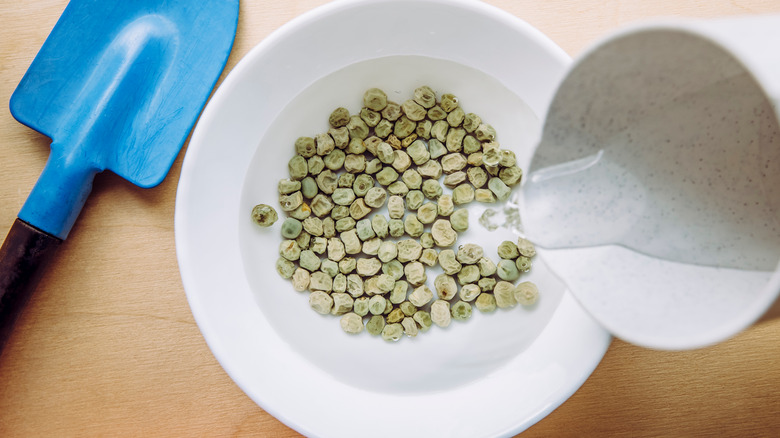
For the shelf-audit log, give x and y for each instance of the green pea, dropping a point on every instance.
(309, 187)
(468, 274)
(455, 117)
(339, 212)
(460, 220)
(334, 160)
(375, 99)
(454, 140)
(448, 102)
(413, 111)
(471, 145)
(264, 215)
(398, 188)
(345, 224)
(298, 167)
(339, 117)
(364, 229)
(454, 179)
(360, 307)
(346, 266)
(387, 251)
(507, 270)
(291, 228)
(394, 269)
(436, 148)
(435, 113)
(425, 96)
(379, 224)
(423, 319)
(392, 332)
(287, 186)
(305, 147)
(510, 175)
(461, 311)
(309, 261)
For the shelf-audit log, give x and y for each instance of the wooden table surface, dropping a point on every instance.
(108, 347)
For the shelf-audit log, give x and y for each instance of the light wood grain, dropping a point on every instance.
(108, 346)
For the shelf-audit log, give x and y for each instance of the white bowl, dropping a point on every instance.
(494, 375)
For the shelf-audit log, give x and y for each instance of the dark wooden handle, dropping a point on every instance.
(25, 251)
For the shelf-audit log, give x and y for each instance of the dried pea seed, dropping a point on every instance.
(334, 160)
(291, 202)
(319, 245)
(309, 188)
(290, 250)
(490, 159)
(305, 147)
(404, 126)
(368, 266)
(358, 209)
(396, 227)
(355, 285)
(439, 130)
(357, 127)
(371, 246)
(347, 265)
(409, 139)
(508, 250)
(362, 184)
(423, 319)
(454, 140)
(469, 253)
(440, 313)
(455, 117)
(445, 286)
(475, 159)
(506, 270)
(395, 315)
(398, 294)
(393, 141)
(525, 247)
(425, 96)
(460, 220)
(463, 194)
(285, 268)
(485, 303)
(300, 279)
(343, 196)
(454, 179)
(408, 250)
(384, 128)
(431, 189)
(429, 257)
(510, 175)
(375, 325)
(469, 292)
(423, 129)
(340, 137)
(386, 176)
(395, 207)
(340, 283)
(414, 199)
(413, 111)
(320, 281)
(461, 311)
(336, 250)
(391, 112)
(486, 267)
(418, 152)
(375, 99)
(325, 144)
(448, 102)
(426, 240)
(415, 273)
(445, 205)
(303, 239)
(523, 264)
(342, 303)
(398, 188)
(413, 226)
(504, 293)
(508, 158)
(376, 305)
(329, 267)
(428, 212)
(436, 148)
(484, 196)
(351, 323)
(393, 268)
(385, 153)
(287, 186)
(313, 226)
(356, 146)
(351, 241)
(435, 113)
(419, 297)
(487, 284)
(401, 161)
(321, 302)
(392, 332)
(376, 196)
(471, 122)
(408, 308)
(373, 166)
(448, 262)
(412, 179)
(339, 117)
(291, 228)
(264, 215)
(443, 233)
(431, 169)
(370, 116)
(354, 163)
(485, 132)
(387, 251)
(410, 326)
(360, 306)
(477, 176)
(471, 145)
(345, 224)
(526, 293)
(468, 274)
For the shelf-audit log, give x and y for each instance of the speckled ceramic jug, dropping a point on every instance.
(654, 192)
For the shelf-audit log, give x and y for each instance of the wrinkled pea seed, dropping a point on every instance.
(485, 303)
(264, 215)
(300, 279)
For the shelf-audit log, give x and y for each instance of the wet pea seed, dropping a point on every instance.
(507, 271)
(526, 293)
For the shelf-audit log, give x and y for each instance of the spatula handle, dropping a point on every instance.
(25, 251)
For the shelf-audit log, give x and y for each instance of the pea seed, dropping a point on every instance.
(287, 186)
(357, 127)
(463, 194)
(319, 245)
(421, 296)
(300, 279)
(347, 265)
(448, 102)
(335, 160)
(355, 285)
(368, 266)
(404, 127)
(410, 327)
(454, 179)
(499, 189)
(336, 250)
(443, 233)
(428, 213)
(413, 111)
(506, 270)
(393, 268)
(486, 267)
(477, 176)
(354, 163)
(375, 325)
(321, 302)
(460, 220)
(440, 313)
(423, 129)
(436, 113)
(490, 159)
(309, 187)
(414, 199)
(386, 176)
(383, 128)
(510, 175)
(392, 332)
(309, 260)
(303, 239)
(468, 274)
(508, 250)
(487, 284)
(356, 146)
(313, 226)
(264, 215)
(320, 281)
(485, 132)
(436, 149)
(385, 153)
(504, 294)
(345, 224)
(371, 144)
(340, 283)
(461, 311)
(525, 247)
(352, 323)
(445, 286)
(395, 315)
(418, 152)
(445, 205)
(339, 117)
(469, 292)
(398, 188)
(475, 159)
(408, 250)
(376, 197)
(469, 253)
(376, 305)
(370, 116)
(393, 141)
(305, 147)
(471, 145)
(375, 99)
(342, 303)
(325, 144)
(426, 240)
(413, 226)
(423, 320)
(290, 250)
(358, 209)
(328, 227)
(387, 251)
(360, 306)
(508, 158)
(291, 202)
(340, 137)
(408, 308)
(362, 184)
(448, 262)
(471, 122)
(425, 96)
(351, 241)
(412, 179)
(398, 294)
(291, 228)
(396, 227)
(484, 195)
(454, 140)
(285, 268)
(429, 257)
(455, 117)
(302, 212)
(523, 264)
(371, 246)
(431, 189)
(485, 303)
(439, 130)
(415, 273)
(431, 169)
(327, 181)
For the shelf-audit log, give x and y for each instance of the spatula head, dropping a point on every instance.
(119, 85)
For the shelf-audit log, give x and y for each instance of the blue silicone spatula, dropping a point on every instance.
(117, 86)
